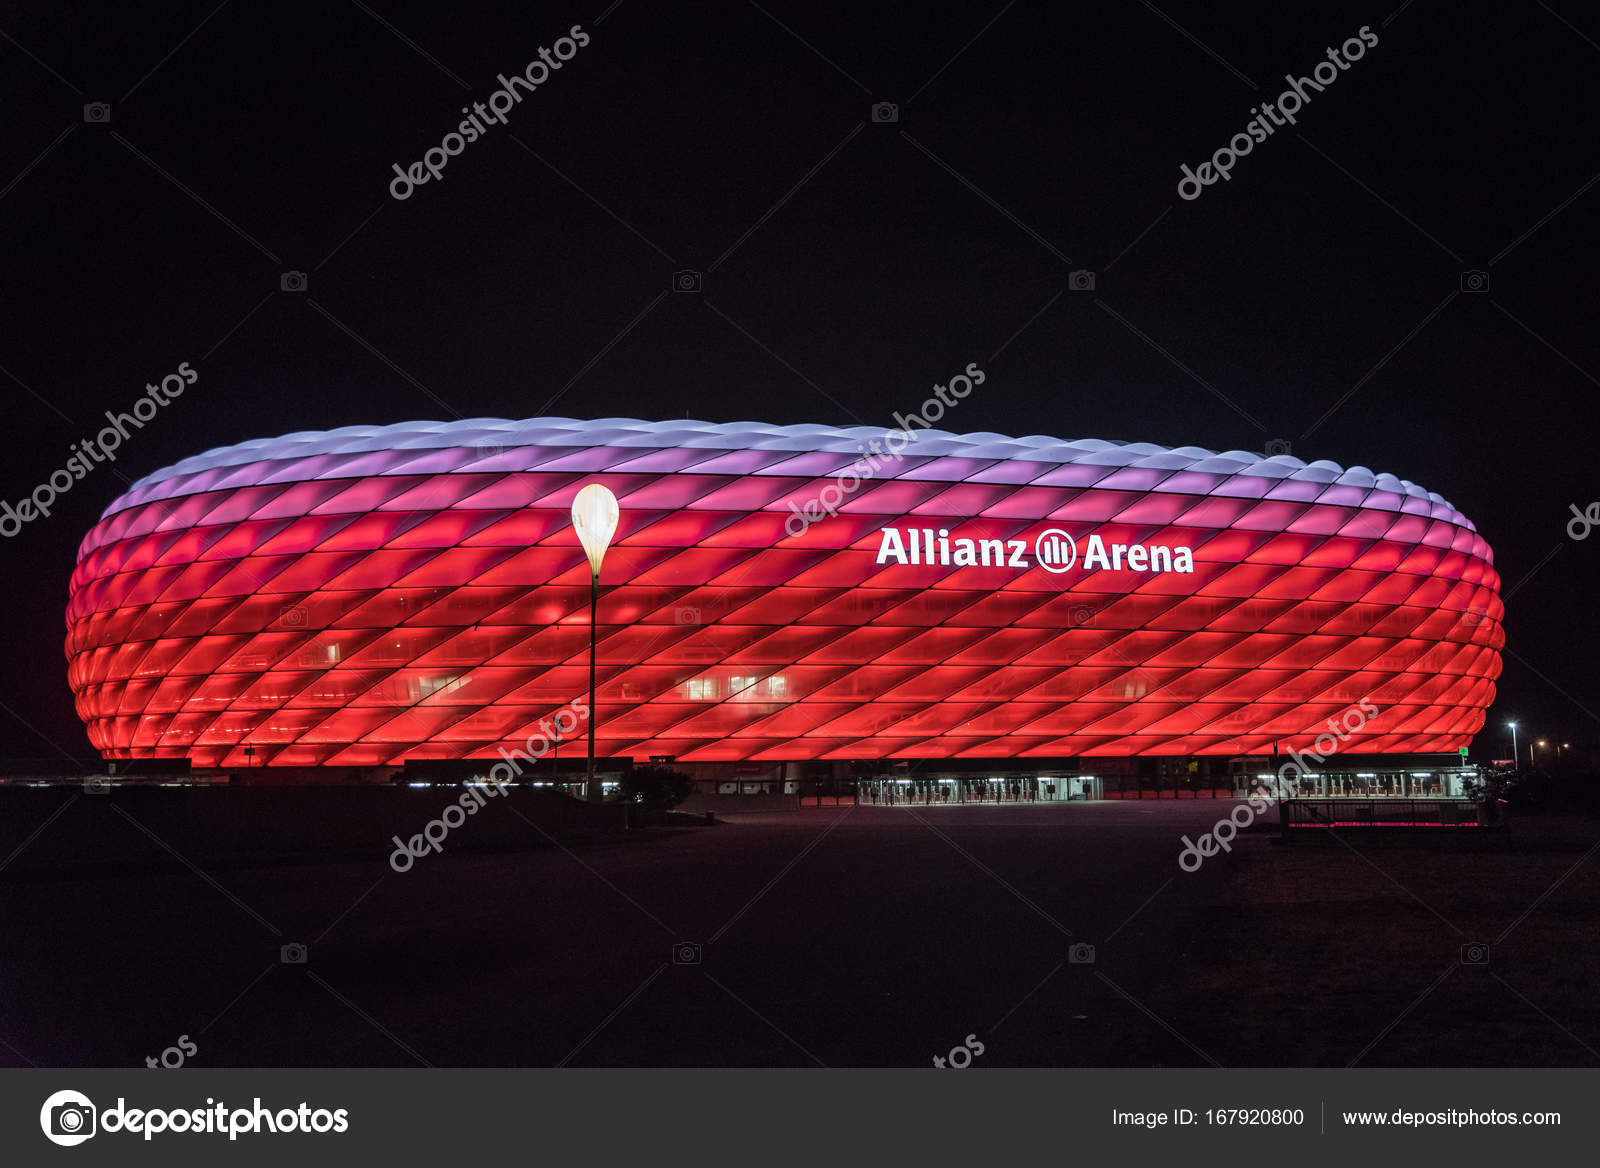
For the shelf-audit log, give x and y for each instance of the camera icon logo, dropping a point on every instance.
(97, 113)
(1080, 280)
(686, 953)
(1081, 954)
(1474, 280)
(686, 616)
(1475, 953)
(1277, 446)
(885, 112)
(67, 1118)
(687, 280)
(1082, 614)
(293, 615)
(292, 282)
(293, 953)
(96, 785)
(489, 450)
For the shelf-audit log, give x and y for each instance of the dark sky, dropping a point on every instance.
(1316, 296)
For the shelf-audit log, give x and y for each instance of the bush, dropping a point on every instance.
(656, 787)
(1568, 790)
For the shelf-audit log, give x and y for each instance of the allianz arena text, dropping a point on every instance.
(374, 595)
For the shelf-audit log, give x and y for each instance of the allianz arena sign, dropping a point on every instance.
(1053, 550)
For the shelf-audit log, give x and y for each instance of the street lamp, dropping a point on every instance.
(1514, 761)
(594, 515)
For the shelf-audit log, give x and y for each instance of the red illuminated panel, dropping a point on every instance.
(368, 595)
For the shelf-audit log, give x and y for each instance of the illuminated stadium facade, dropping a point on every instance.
(373, 596)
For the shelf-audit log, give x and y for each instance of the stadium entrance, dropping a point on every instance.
(934, 789)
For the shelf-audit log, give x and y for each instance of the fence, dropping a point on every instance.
(1387, 813)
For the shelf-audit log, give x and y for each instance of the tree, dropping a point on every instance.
(656, 787)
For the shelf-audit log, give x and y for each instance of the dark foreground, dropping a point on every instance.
(842, 937)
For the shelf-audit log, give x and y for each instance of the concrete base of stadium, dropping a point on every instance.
(728, 785)
(1048, 780)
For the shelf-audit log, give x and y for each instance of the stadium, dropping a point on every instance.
(777, 603)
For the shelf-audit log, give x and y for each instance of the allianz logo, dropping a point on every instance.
(1053, 550)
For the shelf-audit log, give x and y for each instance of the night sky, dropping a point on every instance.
(1317, 296)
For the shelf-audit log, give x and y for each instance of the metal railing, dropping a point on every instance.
(1382, 812)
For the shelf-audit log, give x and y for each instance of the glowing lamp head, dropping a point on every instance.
(595, 514)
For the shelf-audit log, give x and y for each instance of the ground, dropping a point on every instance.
(840, 936)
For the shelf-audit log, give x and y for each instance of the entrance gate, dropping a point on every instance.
(892, 791)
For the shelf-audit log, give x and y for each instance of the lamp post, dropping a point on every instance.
(594, 515)
(1515, 761)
